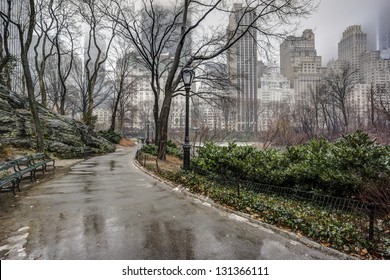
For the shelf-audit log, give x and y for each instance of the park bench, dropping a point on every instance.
(40, 161)
(24, 169)
(9, 180)
(14, 171)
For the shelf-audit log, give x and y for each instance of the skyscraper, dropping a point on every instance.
(299, 62)
(384, 31)
(10, 38)
(351, 47)
(275, 95)
(242, 68)
(154, 30)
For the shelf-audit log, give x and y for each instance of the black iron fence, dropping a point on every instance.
(371, 211)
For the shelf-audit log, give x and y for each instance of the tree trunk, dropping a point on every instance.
(88, 118)
(62, 100)
(156, 124)
(25, 46)
(40, 69)
(6, 24)
(163, 129)
(169, 89)
(114, 111)
(345, 117)
(42, 89)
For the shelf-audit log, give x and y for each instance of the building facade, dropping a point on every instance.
(10, 38)
(372, 71)
(274, 96)
(300, 63)
(352, 45)
(213, 104)
(384, 31)
(242, 69)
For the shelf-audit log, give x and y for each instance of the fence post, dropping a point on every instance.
(372, 208)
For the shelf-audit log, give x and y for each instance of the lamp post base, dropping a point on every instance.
(186, 156)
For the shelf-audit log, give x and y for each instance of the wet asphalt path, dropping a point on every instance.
(105, 208)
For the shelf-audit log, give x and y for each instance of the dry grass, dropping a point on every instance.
(171, 164)
(8, 152)
(126, 142)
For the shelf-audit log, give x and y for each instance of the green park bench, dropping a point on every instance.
(14, 171)
(40, 162)
(24, 169)
(9, 180)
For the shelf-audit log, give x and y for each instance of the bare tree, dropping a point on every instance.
(7, 64)
(7, 60)
(123, 80)
(78, 96)
(381, 96)
(340, 83)
(280, 129)
(189, 17)
(101, 34)
(65, 21)
(26, 30)
(153, 33)
(43, 50)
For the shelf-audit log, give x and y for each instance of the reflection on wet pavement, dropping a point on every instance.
(112, 164)
(14, 245)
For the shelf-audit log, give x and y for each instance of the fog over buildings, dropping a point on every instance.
(333, 16)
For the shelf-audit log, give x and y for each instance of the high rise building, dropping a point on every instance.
(242, 69)
(274, 95)
(384, 31)
(10, 38)
(375, 70)
(376, 74)
(352, 45)
(300, 63)
(370, 71)
(154, 30)
(212, 105)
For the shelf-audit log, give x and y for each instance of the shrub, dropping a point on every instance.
(110, 135)
(150, 149)
(172, 149)
(340, 169)
(246, 163)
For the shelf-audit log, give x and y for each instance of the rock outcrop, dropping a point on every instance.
(64, 137)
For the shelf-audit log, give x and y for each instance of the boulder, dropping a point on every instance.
(63, 137)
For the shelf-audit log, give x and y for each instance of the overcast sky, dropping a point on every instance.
(334, 16)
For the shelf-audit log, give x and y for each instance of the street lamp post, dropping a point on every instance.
(187, 76)
(147, 133)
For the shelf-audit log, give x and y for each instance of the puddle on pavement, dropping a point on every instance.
(164, 240)
(83, 168)
(81, 172)
(90, 163)
(87, 187)
(112, 164)
(14, 245)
